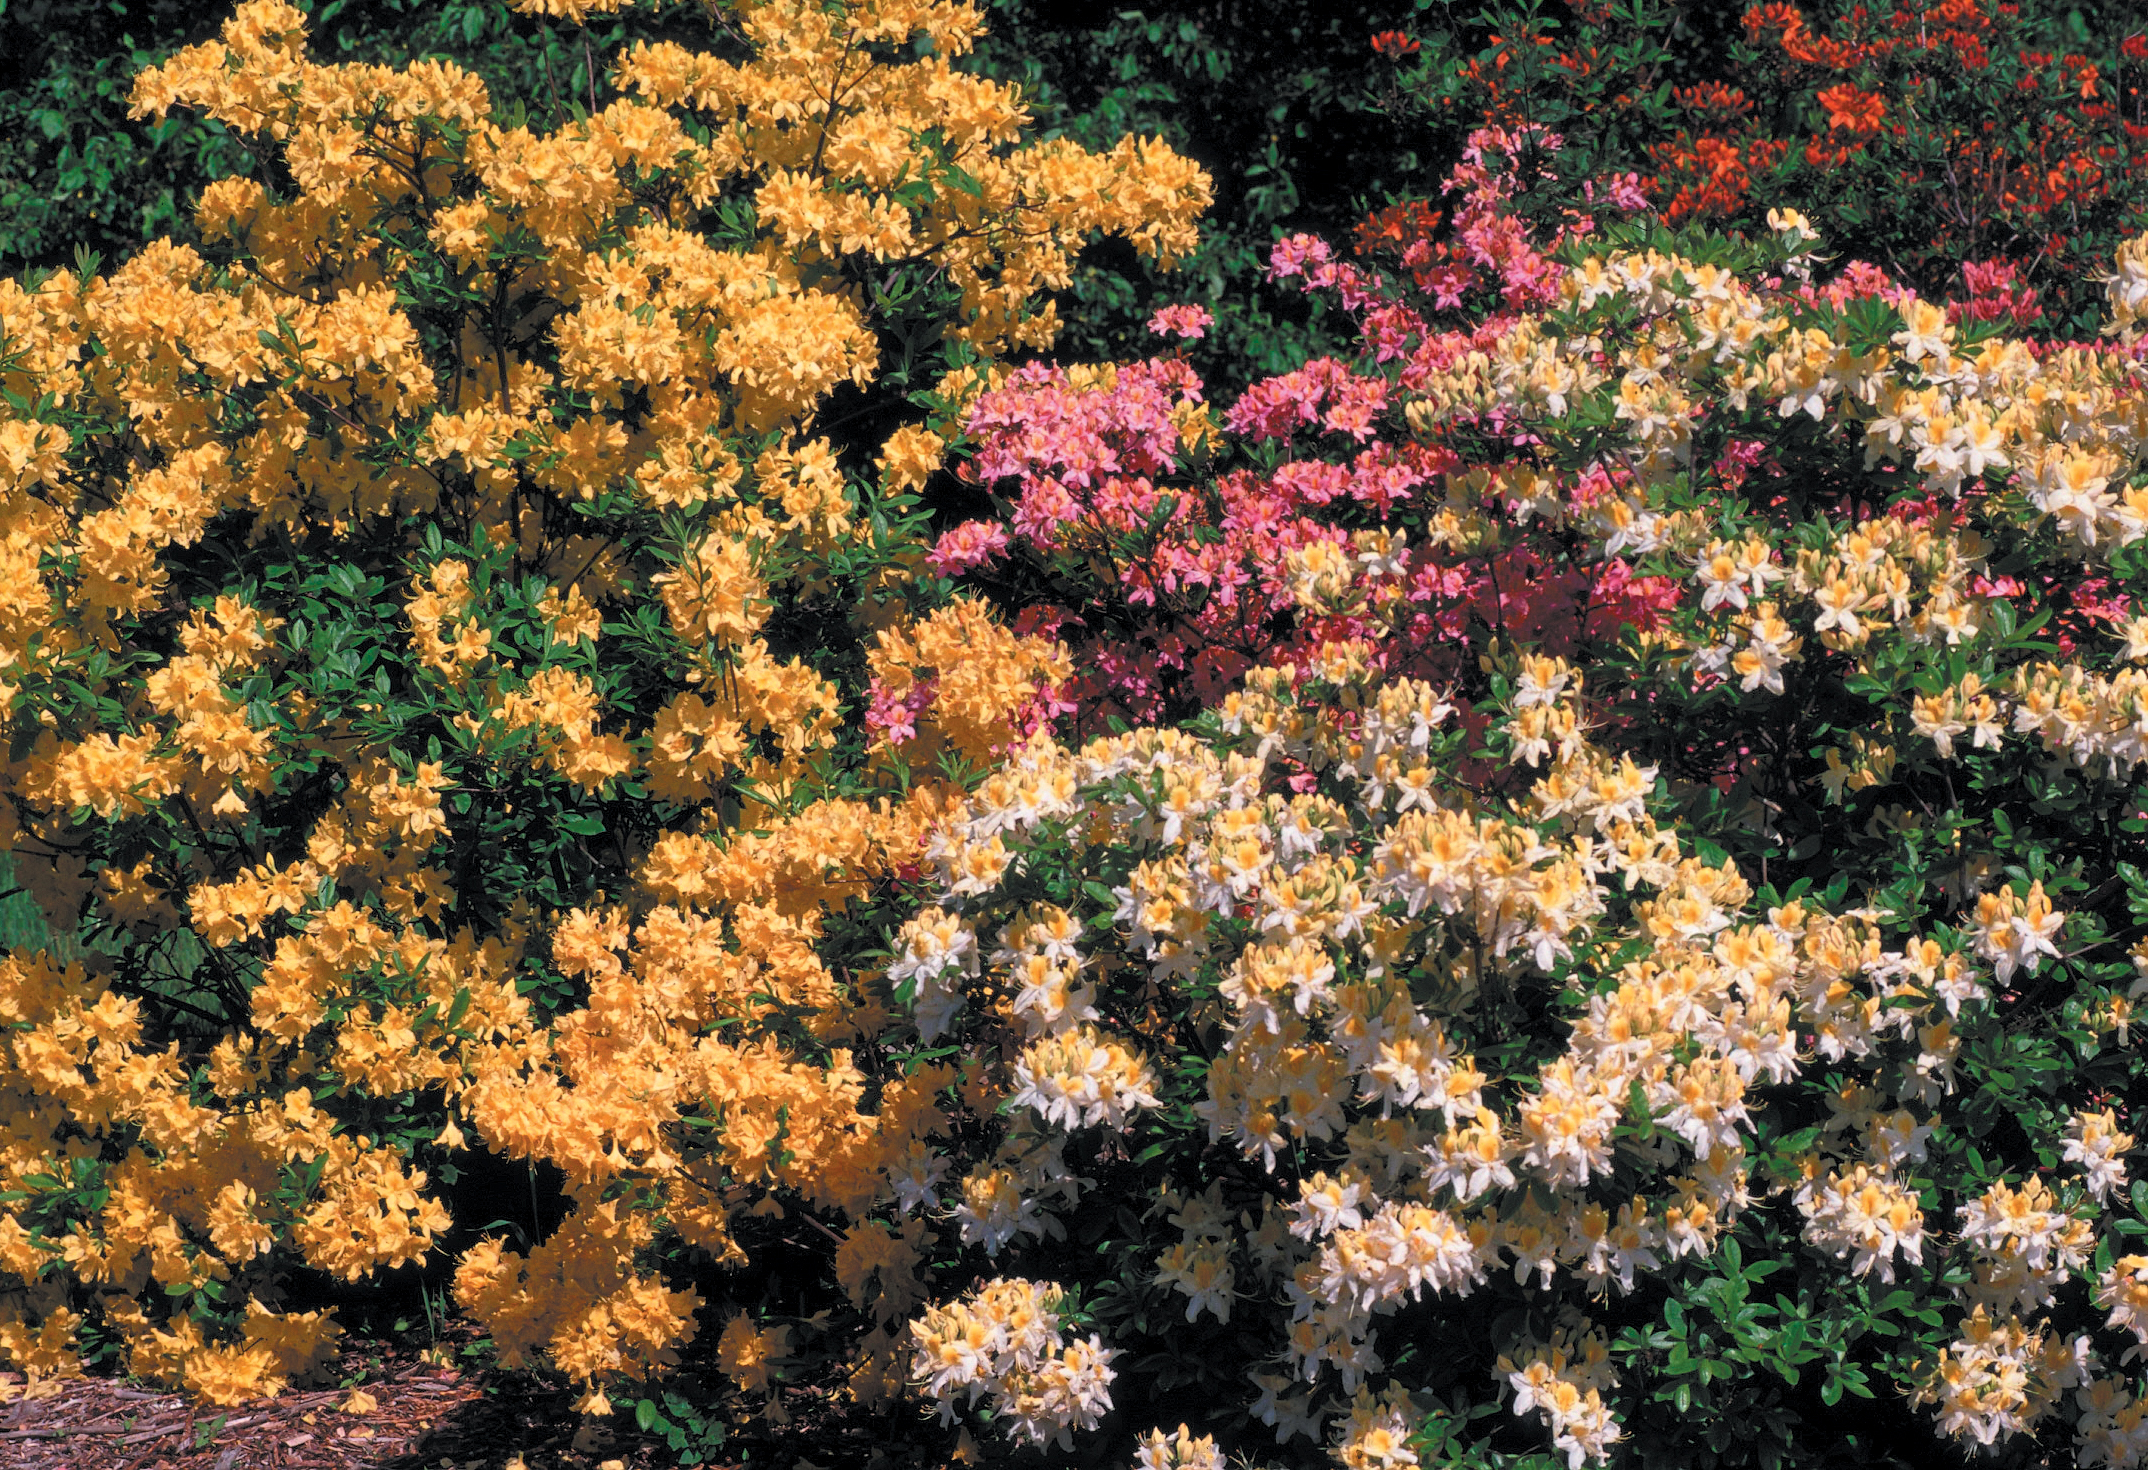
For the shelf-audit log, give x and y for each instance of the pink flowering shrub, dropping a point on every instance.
(1168, 544)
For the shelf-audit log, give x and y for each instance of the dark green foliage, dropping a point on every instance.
(75, 172)
(1280, 102)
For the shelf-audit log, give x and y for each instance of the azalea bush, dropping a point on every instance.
(1168, 541)
(78, 173)
(1984, 151)
(433, 609)
(1502, 1022)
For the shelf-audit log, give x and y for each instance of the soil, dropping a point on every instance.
(429, 1414)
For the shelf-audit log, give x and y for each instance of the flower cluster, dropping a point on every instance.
(1003, 1344)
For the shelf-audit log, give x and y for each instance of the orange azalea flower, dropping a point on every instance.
(1853, 111)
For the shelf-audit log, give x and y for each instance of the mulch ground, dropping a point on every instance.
(428, 1416)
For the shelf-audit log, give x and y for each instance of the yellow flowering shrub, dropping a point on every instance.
(433, 615)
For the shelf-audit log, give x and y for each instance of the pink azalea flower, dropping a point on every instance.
(1185, 320)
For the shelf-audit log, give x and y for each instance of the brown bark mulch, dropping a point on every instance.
(429, 1415)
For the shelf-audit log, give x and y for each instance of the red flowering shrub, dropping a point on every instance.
(1918, 135)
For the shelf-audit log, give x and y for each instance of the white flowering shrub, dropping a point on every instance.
(1699, 1038)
